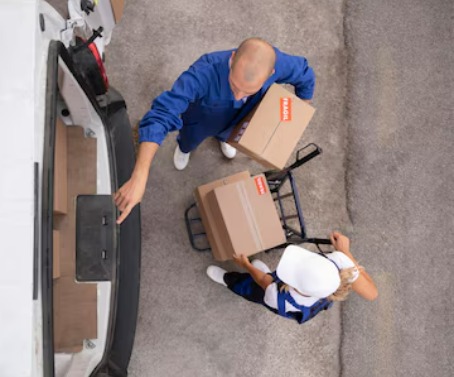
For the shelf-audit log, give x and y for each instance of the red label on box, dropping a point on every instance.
(261, 185)
(286, 109)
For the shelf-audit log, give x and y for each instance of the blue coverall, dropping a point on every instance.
(201, 103)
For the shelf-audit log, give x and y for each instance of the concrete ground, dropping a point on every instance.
(189, 325)
(384, 101)
(400, 186)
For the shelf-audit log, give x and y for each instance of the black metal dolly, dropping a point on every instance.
(276, 180)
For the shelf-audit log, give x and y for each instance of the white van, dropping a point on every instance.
(69, 275)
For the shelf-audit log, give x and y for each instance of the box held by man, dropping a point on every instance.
(271, 131)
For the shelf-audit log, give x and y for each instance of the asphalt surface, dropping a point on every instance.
(384, 118)
(400, 176)
(189, 325)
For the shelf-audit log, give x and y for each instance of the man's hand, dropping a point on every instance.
(241, 260)
(131, 193)
(128, 195)
(340, 242)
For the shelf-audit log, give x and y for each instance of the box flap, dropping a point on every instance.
(287, 134)
(264, 122)
(228, 216)
(235, 219)
(214, 235)
(265, 212)
(246, 217)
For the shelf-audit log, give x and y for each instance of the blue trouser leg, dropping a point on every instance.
(224, 134)
(243, 285)
(192, 135)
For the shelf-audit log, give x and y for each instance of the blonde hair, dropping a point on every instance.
(346, 275)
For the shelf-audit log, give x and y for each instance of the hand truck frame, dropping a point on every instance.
(276, 180)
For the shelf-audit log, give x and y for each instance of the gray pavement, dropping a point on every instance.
(188, 325)
(400, 179)
(387, 75)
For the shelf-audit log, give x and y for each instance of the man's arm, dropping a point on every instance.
(295, 70)
(162, 118)
(131, 193)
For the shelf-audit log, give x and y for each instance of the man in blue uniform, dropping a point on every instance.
(208, 100)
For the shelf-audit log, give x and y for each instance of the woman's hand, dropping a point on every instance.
(261, 278)
(241, 260)
(364, 285)
(340, 242)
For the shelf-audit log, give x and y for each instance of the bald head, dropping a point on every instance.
(256, 58)
(251, 65)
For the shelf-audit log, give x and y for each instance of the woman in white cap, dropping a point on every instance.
(304, 282)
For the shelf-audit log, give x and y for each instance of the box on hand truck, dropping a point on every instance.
(246, 215)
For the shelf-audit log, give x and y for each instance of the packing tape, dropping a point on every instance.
(242, 192)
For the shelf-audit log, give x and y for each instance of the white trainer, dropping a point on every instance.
(261, 266)
(216, 274)
(227, 150)
(180, 159)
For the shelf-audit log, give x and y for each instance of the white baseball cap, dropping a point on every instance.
(310, 273)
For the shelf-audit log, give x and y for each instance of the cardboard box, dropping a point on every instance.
(117, 8)
(206, 214)
(241, 217)
(60, 169)
(271, 131)
(56, 255)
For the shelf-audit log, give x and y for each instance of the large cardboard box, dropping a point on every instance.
(271, 131)
(117, 8)
(241, 217)
(206, 214)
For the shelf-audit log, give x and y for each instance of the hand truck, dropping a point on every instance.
(276, 180)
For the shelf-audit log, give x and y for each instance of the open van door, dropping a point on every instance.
(69, 281)
(96, 14)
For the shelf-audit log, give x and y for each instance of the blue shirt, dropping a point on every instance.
(202, 95)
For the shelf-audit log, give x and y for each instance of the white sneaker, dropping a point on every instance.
(227, 150)
(216, 274)
(180, 159)
(261, 266)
